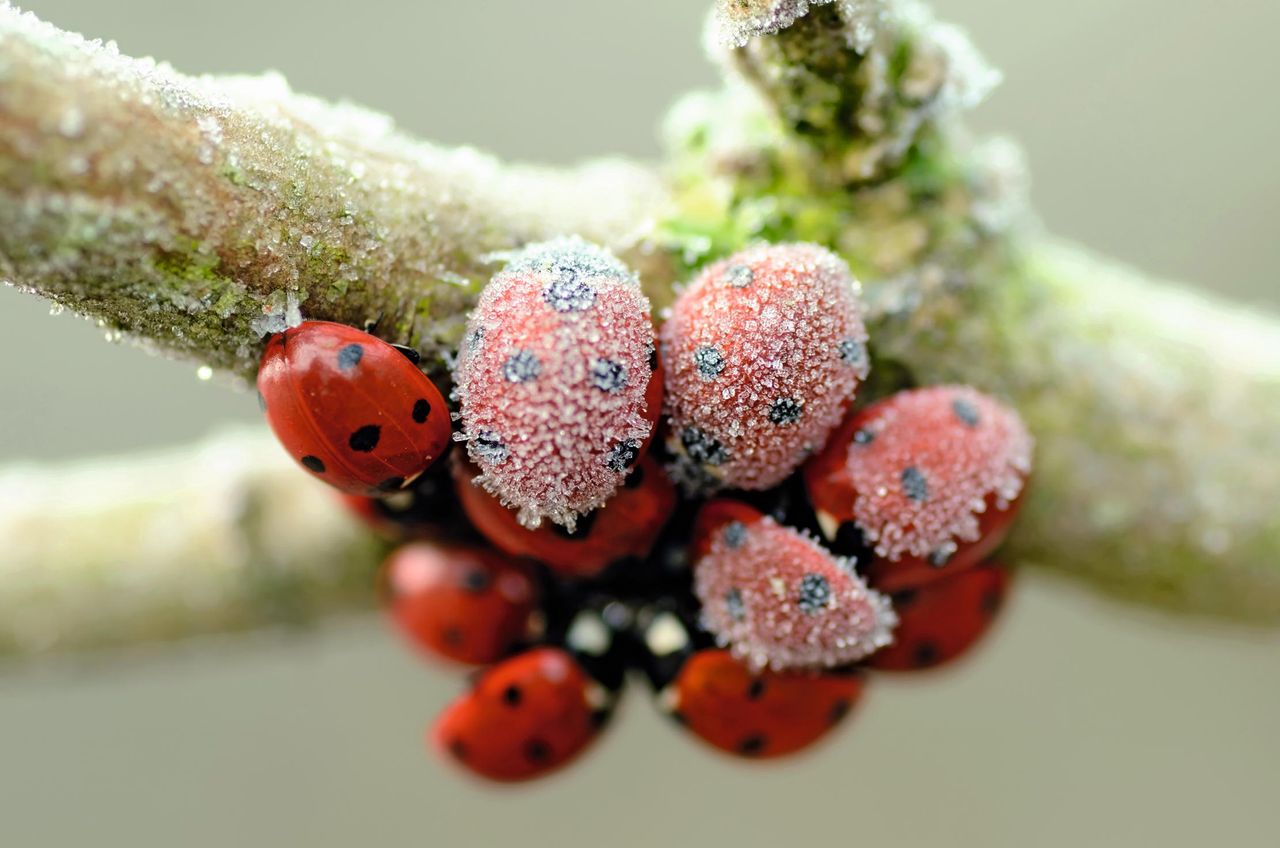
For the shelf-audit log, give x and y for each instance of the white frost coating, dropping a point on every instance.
(735, 22)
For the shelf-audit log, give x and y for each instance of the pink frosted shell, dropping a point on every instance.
(777, 598)
(551, 380)
(926, 464)
(763, 354)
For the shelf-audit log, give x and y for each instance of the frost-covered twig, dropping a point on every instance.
(194, 215)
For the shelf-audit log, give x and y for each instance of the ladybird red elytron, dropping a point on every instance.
(932, 478)
(459, 602)
(350, 408)
(626, 526)
(943, 620)
(763, 353)
(558, 381)
(778, 599)
(524, 717)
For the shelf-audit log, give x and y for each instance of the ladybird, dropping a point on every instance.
(932, 478)
(424, 509)
(524, 717)
(777, 598)
(942, 621)
(350, 408)
(627, 526)
(459, 602)
(763, 354)
(558, 381)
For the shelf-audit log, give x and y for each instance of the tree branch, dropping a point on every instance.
(196, 215)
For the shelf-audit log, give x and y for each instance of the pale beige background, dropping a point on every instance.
(1151, 128)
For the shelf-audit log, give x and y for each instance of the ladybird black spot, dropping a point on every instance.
(488, 447)
(569, 294)
(349, 357)
(815, 593)
(851, 351)
(391, 484)
(581, 528)
(703, 448)
(991, 602)
(709, 362)
(914, 484)
(622, 455)
(511, 696)
(739, 276)
(458, 748)
(864, 437)
(608, 376)
(634, 480)
(940, 557)
(452, 636)
(751, 745)
(421, 409)
(839, 710)
(925, 654)
(905, 598)
(966, 412)
(735, 534)
(653, 358)
(784, 411)
(734, 605)
(262, 402)
(476, 581)
(537, 751)
(365, 439)
(756, 690)
(521, 367)
(313, 464)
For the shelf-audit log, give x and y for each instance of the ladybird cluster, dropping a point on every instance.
(781, 541)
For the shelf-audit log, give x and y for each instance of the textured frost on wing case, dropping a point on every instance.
(552, 377)
(777, 598)
(927, 463)
(763, 354)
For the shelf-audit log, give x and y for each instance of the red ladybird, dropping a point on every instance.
(763, 354)
(524, 717)
(941, 621)
(462, 603)
(423, 509)
(350, 408)
(758, 714)
(626, 526)
(558, 381)
(777, 598)
(932, 478)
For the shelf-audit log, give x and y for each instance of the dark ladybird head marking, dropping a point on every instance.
(421, 410)
(786, 410)
(391, 484)
(568, 293)
(966, 412)
(815, 594)
(703, 448)
(914, 484)
(634, 480)
(623, 455)
(581, 528)
(349, 356)
(521, 367)
(409, 353)
(709, 362)
(739, 276)
(365, 439)
(608, 376)
(313, 464)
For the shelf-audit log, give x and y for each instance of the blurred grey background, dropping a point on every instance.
(1150, 129)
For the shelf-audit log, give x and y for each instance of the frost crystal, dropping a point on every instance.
(776, 598)
(758, 373)
(552, 380)
(735, 22)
